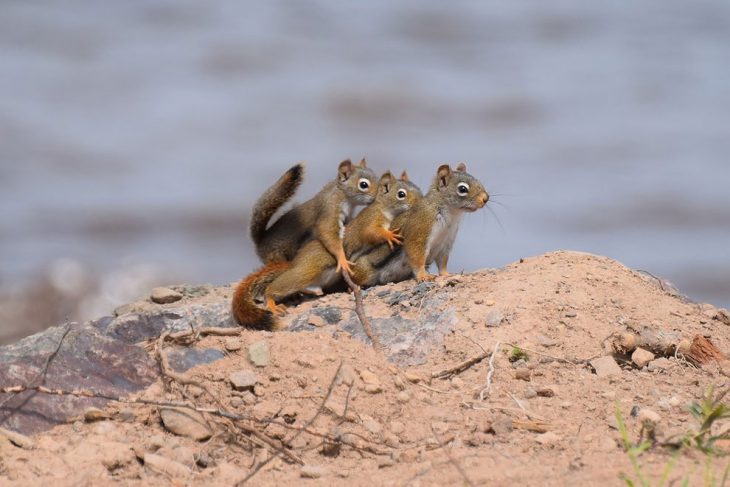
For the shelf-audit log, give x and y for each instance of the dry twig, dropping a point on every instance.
(360, 310)
(446, 373)
(488, 387)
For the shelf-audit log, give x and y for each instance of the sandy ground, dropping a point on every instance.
(398, 426)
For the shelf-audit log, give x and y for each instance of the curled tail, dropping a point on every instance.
(244, 307)
(273, 199)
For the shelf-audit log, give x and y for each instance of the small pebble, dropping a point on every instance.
(164, 295)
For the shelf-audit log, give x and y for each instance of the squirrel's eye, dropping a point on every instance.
(462, 189)
(402, 194)
(363, 184)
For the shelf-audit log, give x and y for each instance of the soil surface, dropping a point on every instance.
(547, 419)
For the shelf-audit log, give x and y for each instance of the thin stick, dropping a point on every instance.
(296, 435)
(488, 387)
(446, 373)
(452, 460)
(360, 310)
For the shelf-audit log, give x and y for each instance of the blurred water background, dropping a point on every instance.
(135, 136)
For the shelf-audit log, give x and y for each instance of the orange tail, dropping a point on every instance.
(244, 308)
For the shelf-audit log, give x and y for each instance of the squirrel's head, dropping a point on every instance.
(357, 181)
(397, 195)
(459, 189)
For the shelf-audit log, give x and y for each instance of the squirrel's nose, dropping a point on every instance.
(483, 198)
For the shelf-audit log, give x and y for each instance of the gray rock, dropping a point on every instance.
(662, 363)
(329, 314)
(164, 295)
(242, 380)
(494, 318)
(86, 359)
(502, 426)
(184, 358)
(605, 366)
(258, 353)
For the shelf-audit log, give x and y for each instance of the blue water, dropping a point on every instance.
(143, 131)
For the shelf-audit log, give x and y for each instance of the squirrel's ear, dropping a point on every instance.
(443, 174)
(363, 163)
(386, 180)
(345, 170)
(461, 167)
(404, 177)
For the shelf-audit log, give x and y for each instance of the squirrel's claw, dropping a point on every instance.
(276, 309)
(344, 264)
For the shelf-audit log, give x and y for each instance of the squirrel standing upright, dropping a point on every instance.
(428, 229)
(322, 217)
(314, 265)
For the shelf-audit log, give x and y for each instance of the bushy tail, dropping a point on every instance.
(244, 307)
(273, 199)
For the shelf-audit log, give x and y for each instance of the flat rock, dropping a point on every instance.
(605, 366)
(641, 357)
(662, 363)
(165, 466)
(242, 380)
(186, 422)
(165, 295)
(86, 359)
(312, 471)
(494, 318)
(258, 353)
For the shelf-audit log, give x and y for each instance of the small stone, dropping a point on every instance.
(494, 318)
(457, 383)
(242, 380)
(523, 374)
(519, 364)
(165, 466)
(248, 398)
(546, 392)
(548, 439)
(164, 295)
(186, 422)
(236, 402)
(530, 393)
(605, 366)
(662, 363)
(412, 377)
(347, 375)
(94, 414)
(490, 302)
(641, 357)
(368, 377)
(126, 415)
(410, 455)
(258, 353)
(571, 314)
(78, 426)
(391, 440)
(546, 341)
(502, 426)
(399, 383)
(232, 344)
(373, 389)
(312, 471)
(384, 462)
(403, 397)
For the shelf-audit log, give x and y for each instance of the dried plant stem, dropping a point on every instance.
(360, 310)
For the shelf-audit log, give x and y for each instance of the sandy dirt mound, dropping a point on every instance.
(369, 418)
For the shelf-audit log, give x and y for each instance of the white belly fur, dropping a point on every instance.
(442, 235)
